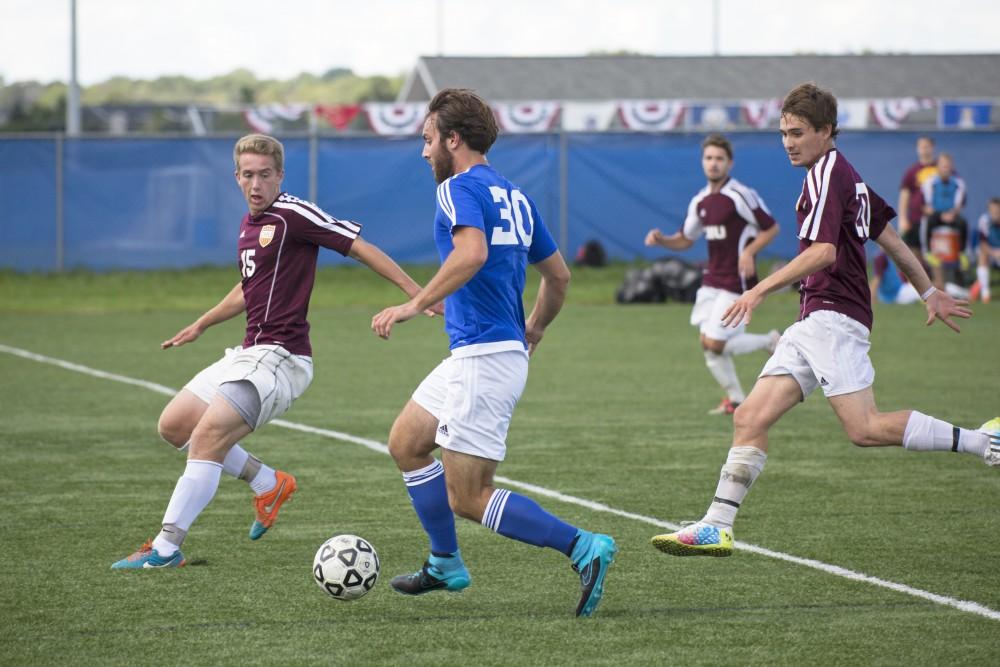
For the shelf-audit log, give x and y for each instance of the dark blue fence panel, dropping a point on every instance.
(151, 203)
(141, 203)
(28, 204)
(386, 185)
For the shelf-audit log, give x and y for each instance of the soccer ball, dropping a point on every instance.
(346, 567)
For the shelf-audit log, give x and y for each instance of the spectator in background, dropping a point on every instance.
(944, 231)
(988, 235)
(911, 201)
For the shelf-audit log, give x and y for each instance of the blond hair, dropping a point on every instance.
(260, 144)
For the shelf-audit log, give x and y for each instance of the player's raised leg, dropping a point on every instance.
(915, 431)
(771, 397)
(474, 497)
(220, 427)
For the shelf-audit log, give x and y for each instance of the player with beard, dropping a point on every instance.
(828, 346)
(487, 231)
(737, 225)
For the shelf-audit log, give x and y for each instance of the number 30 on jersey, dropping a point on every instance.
(517, 224)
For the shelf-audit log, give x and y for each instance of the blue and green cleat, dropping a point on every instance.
(592, 555)
(148, 558)
(437, 574)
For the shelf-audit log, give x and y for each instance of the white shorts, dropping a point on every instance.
(827, 349)
(709, 305)
(279, 376)
(473, 399)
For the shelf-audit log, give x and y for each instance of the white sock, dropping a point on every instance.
(264, 481)
(746, 342)
(194, 490)
(927, 434)
(723, 369)
(983, 276)
(742, 467)
(235, 460)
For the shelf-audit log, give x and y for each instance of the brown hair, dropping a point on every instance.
(461, 111)
(718, 141)
(816, 106)
(260, 144)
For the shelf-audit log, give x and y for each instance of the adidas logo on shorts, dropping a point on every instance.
(443, 429)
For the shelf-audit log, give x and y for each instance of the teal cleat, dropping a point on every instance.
(431, 577)
(592, 556)
(148, 558)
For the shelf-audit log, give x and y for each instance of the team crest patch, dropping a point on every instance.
(266, 235)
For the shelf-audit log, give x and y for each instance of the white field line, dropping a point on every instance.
(374, 445)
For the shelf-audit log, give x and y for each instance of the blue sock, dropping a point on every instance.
(429, 496)
(522, 519)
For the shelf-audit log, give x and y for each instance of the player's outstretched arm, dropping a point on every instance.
(940, 305)
(676, 241)
(375, 259)
(468, 256)
(816, 257)
(551, 296)
(230, 306)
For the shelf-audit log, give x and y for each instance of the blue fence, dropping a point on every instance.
(139, 203)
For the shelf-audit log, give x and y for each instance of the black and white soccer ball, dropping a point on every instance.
(346, 567)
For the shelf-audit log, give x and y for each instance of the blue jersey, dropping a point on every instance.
(487, 313)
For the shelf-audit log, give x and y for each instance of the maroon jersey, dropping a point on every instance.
(913, 181)
(837, 207)
(277, 259)
(730, 219)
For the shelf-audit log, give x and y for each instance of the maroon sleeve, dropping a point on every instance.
(882, 214)
(764, 219)
(311, 224)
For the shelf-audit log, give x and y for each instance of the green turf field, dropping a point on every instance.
(613, 414)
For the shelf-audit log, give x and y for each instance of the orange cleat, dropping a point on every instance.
(266, 505)
(727, 407)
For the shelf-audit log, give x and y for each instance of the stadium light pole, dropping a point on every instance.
(440, 27)
(73, 92)
(715, 27)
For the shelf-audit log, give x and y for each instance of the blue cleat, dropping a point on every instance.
(432, 577)
(148, 558)
(592, 555)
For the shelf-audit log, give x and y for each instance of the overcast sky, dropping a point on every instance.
(280, 38)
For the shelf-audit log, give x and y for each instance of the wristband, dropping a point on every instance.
(927, 294)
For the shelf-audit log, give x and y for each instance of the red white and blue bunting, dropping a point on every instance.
(262, 118)
(761, 113)
(890, 113)
(521, 117)
(405, 119)
(651, 115)
(396, 119)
